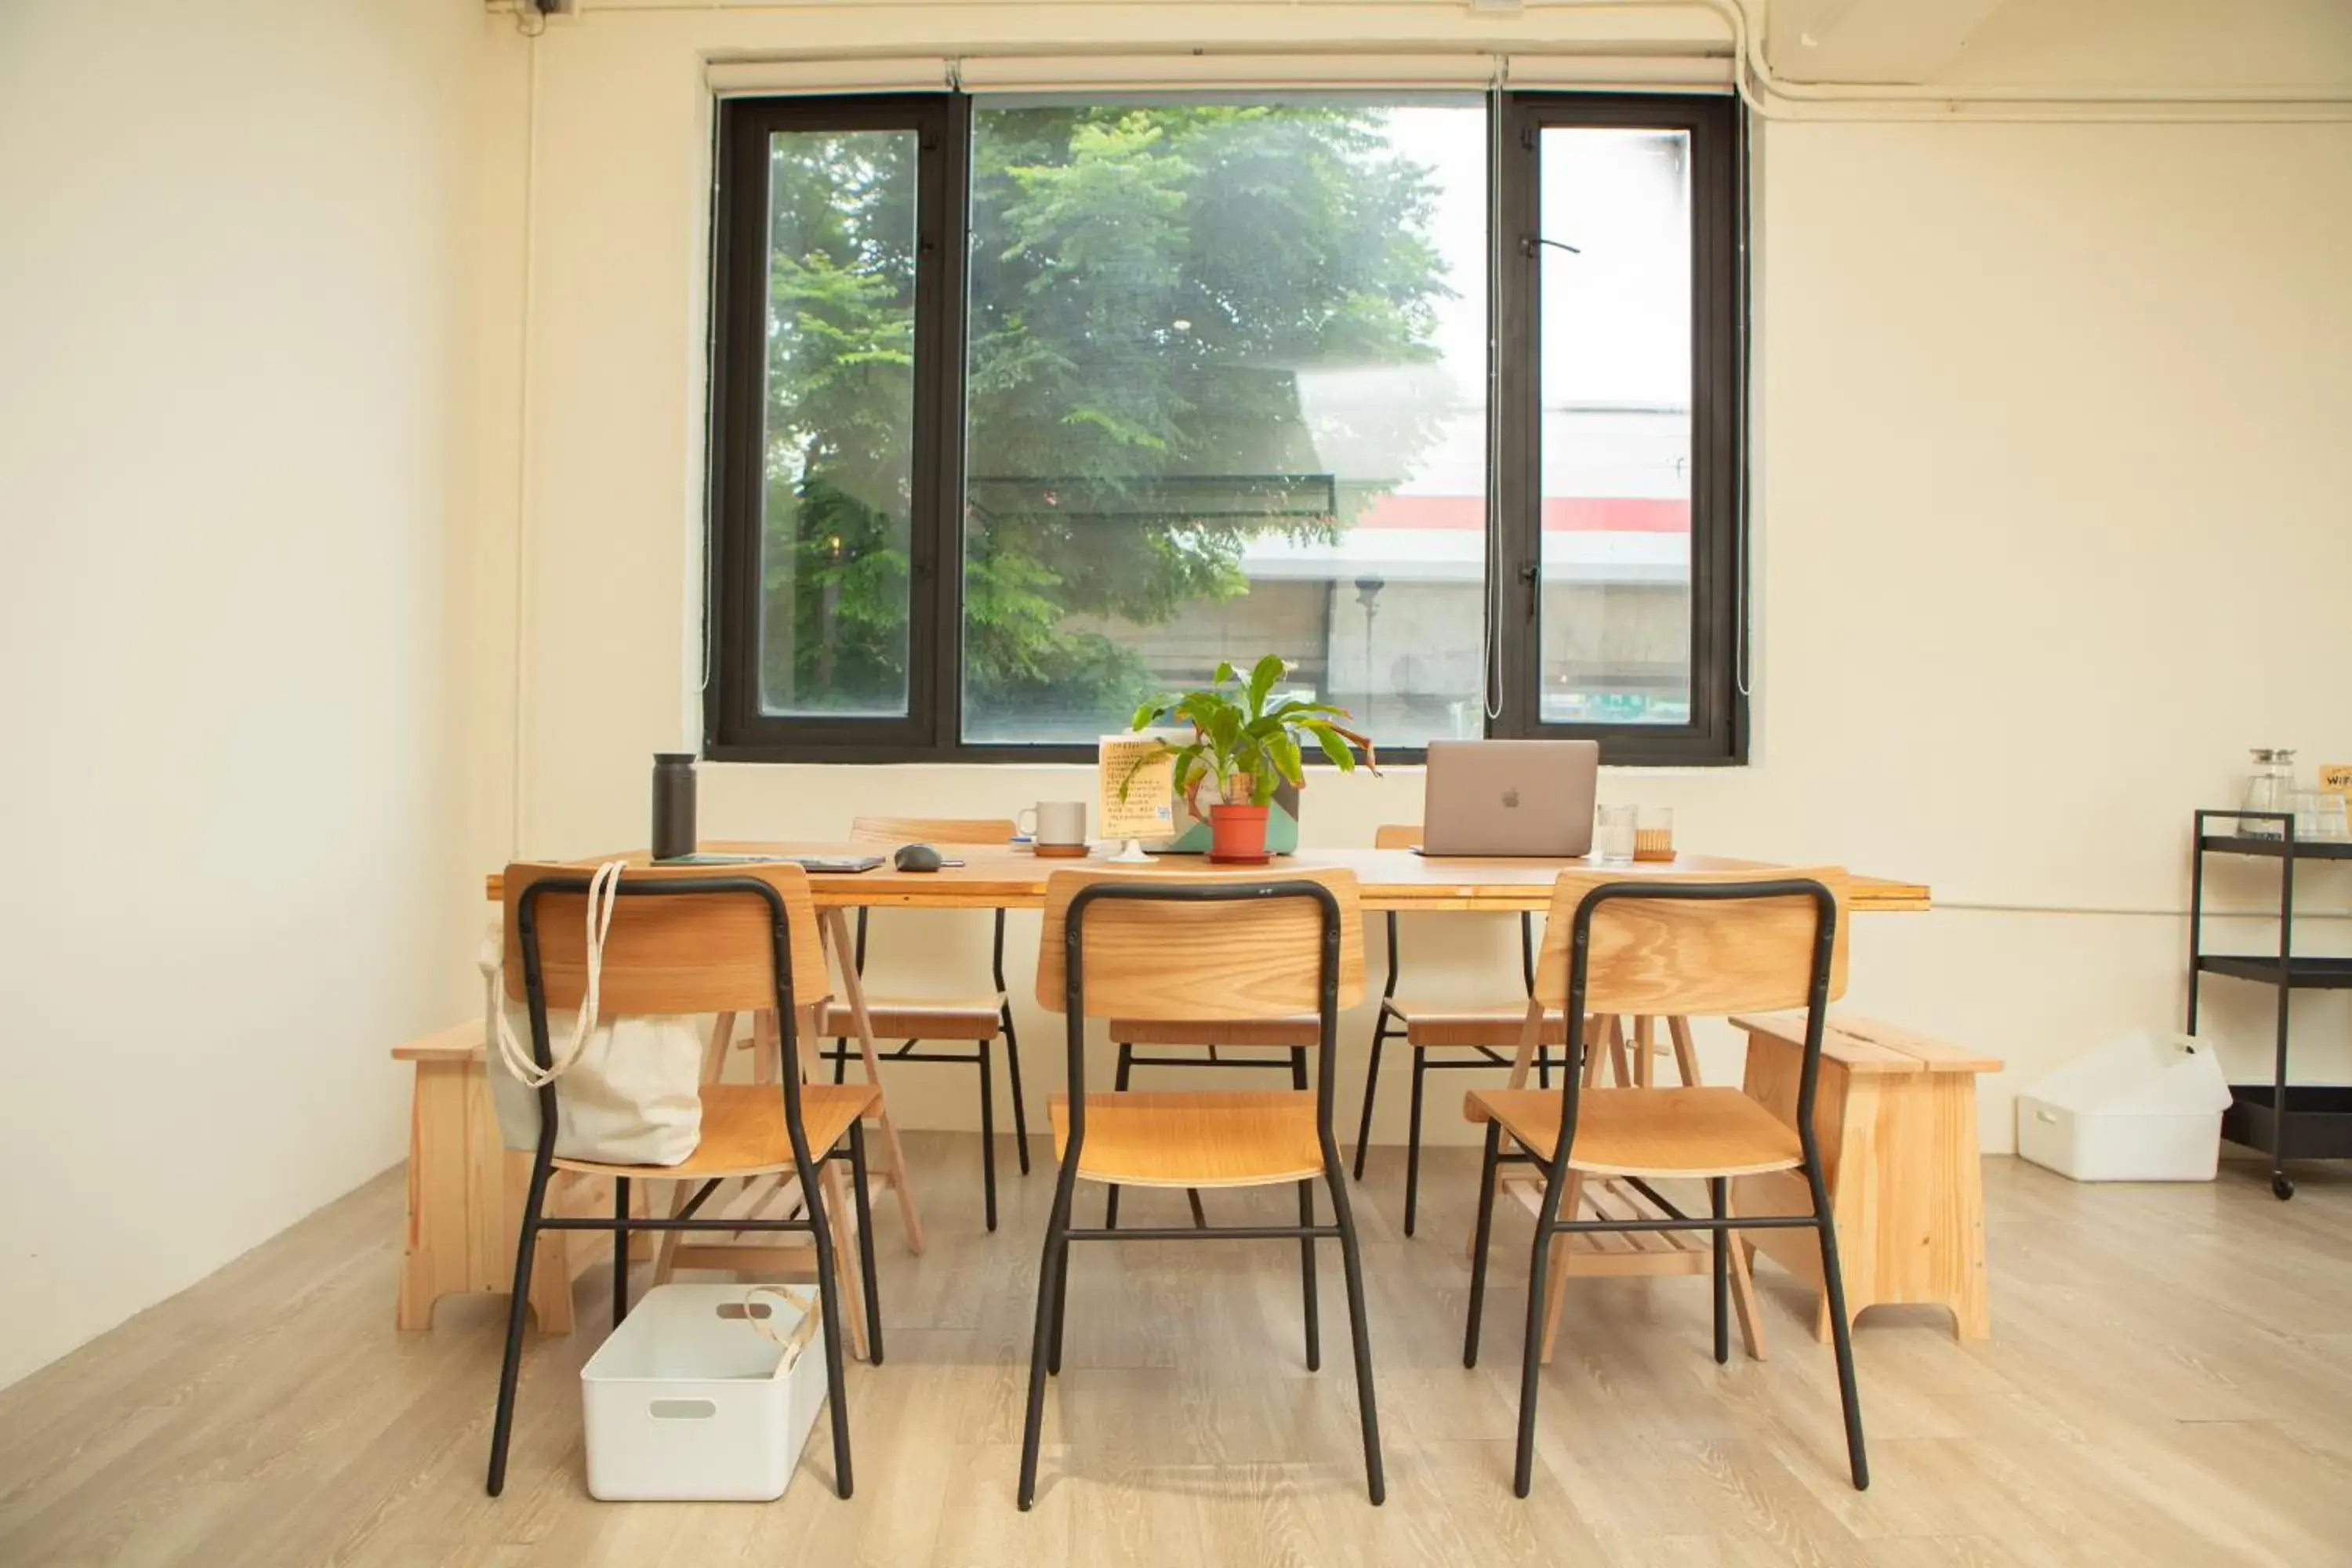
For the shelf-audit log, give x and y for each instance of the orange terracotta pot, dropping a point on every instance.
(1237, 835)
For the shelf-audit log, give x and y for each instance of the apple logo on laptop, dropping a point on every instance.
(1511, 798)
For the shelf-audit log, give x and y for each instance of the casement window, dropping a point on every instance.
(1027, 407)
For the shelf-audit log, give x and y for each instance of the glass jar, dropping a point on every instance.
(2270, 787)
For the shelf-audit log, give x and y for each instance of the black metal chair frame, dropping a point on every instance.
(1548, 1221)
(840, 1055)
(812, 1218)
(1391, 1025)
(1053, 1275)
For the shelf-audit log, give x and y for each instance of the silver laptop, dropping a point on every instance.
(1510, 798)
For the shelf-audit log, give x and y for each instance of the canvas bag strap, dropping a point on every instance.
(603, 893)
(803, 1331)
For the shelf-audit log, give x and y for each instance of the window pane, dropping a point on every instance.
(1226, 397)
(1615, 377)
(838, 444)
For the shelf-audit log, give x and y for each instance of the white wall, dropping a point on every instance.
(2050, 524)
(234, 312)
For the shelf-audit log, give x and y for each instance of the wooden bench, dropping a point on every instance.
(466, 1191)
(1896, 1116)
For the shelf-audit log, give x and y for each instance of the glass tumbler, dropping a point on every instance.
(2305, 805)
(1612, 840)
(1653, 833)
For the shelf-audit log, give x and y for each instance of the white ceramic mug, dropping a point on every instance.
(1054, 821)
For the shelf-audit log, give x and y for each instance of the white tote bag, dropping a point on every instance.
(631, 1088)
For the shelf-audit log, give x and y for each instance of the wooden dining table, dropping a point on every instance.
(1013, 877)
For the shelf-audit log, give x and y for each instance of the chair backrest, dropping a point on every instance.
(686, 950)
(1685, 957)
(932, 830)
(1208, 952)
(1397, 836)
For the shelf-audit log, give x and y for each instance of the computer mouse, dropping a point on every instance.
(915, 857)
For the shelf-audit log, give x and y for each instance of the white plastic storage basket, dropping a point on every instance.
(689, 1400)
(2146, 1107)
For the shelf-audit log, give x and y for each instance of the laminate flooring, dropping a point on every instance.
(2169, 1381)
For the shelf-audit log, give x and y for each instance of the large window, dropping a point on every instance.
(1027, 408)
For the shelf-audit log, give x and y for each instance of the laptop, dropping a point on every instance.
(1510, 798)
(815, 865)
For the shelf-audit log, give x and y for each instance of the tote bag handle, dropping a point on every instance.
(603, 892)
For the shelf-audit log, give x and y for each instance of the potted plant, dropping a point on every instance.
(1245, 743)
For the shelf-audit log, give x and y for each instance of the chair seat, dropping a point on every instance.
(1305, 1029)
(1647, 1131)
(1207, 1139)
(744, 1131)
(1442, 1025)
(916, 1018)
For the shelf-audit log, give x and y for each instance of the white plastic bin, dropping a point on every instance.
(2146, 1107)
(689, 1400)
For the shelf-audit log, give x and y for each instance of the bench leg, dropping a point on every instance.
(465, 1191)
(1554, 1284)
(437, 1257)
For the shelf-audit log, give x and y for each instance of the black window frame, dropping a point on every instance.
(735, 729)
(1717, 733)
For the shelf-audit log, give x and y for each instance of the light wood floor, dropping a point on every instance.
(2170, 1382)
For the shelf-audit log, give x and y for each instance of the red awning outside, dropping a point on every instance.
(1561, 514)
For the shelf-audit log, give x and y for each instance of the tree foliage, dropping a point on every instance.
(1146, 285)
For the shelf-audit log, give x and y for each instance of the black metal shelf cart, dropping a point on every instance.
(2303, 1122)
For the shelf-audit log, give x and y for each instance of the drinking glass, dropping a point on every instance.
(1653, 833)
(2307, 805)
(1613, 838)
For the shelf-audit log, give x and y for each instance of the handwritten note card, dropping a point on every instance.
(1138, 793)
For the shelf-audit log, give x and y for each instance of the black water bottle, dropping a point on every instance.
(673, 804)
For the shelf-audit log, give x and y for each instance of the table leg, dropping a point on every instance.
(1556, 1276)
(1743, 1272)
(853, 992)
(1595, 1033)
(1685, 1058)
(1617, 1063)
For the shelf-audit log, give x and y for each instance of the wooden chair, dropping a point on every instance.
(1213, 948)
(1490, 1034)
(974, 1020)
(1672, 946)
(685, 939)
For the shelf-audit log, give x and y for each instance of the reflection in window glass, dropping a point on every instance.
(1226, 396)
(838, 443)
(1614, 368)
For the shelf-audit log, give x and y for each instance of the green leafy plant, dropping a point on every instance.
(1275, 236)
(1245, 743)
